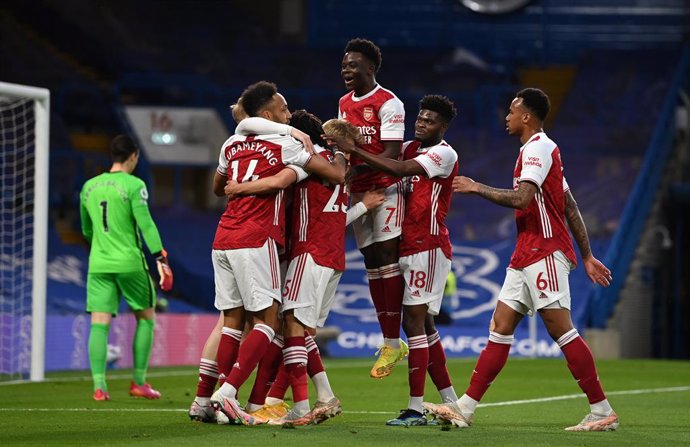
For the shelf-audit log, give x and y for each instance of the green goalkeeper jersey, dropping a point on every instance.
(114, 208)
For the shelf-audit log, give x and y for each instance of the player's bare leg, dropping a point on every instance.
(581, 364)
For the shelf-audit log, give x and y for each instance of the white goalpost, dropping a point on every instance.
(24, 153)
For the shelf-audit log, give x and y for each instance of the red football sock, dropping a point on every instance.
(267, 371)
(417, 363)
(490, 362)
(393, 287)
(581, 365)
(377, 297)
(280, 385)
(314, 363)
(227, 350)
(251, 351)
(208, 378)
(295, 358)
(437, 362)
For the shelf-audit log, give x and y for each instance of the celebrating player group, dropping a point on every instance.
(293, 184)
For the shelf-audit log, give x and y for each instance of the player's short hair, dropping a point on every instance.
(122, 147)
(257, 96)
(309, 124)
(344, 129)
(441, 105)
(368, 49)
(536, 101)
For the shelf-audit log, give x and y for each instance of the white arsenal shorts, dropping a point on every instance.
(383, 222)
(309, 290)
(425, 275)
(543, 284)
(246, 277)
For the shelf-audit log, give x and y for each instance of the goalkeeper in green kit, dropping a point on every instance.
(114, 209)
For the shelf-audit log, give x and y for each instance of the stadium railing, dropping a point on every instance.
(621, 251)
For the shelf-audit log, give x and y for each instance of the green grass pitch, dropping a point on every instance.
(529, 404)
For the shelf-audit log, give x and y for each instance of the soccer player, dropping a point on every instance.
(317, 260)
(246, 240)
(429, 165)
(380, 117)
(113, 209)
(537, 277)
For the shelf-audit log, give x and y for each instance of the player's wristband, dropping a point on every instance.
(339, 153)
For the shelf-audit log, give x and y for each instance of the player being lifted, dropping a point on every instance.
(380, 117)
(537, 277)
(246, 240)
(429, 166)
(114, 208)
(317, 260)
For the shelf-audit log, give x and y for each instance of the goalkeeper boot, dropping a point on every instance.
(144, 391)
(388, 358)
(449, 413)
(202, 413)
(409, 418)
(324, 410)
(268, 412)
(99, 394)
(592, 422)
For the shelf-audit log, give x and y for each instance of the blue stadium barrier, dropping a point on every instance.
(621, 251)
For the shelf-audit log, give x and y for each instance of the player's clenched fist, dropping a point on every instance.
(463, 184)
(164, 271)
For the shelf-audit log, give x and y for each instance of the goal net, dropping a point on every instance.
(24, 126)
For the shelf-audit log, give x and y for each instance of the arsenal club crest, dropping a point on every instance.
(368, 113)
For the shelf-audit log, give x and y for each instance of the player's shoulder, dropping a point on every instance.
(347, 97)
(446, 150)
(540, 144)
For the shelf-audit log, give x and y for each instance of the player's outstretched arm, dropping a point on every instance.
(267, 185)
(511, 198)
(598, 273)
(382, 162)
(262, 126)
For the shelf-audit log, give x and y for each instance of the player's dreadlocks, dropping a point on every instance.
(368, 49)
(309, 124)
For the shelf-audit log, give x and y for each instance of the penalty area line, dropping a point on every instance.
(491, 404)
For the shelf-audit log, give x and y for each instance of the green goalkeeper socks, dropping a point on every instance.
(98, 350)
(143, 342)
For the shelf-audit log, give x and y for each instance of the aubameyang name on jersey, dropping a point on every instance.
(256, 146)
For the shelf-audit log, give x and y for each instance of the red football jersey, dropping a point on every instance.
(541, 226)
(249, 221)
(428, 199)
(380, 116)
(319, 211)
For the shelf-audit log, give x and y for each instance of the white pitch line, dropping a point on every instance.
(492, 404)
(190, 373)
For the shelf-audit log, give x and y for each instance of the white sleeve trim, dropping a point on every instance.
(355, 212)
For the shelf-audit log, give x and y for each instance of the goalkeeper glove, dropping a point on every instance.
(164, 271)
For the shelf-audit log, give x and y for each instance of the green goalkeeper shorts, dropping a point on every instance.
(103, 291)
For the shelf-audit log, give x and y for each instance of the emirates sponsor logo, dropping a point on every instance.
(368, 113)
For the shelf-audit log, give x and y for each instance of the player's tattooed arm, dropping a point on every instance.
(577, 225)
(512, 198)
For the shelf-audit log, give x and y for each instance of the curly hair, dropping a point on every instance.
(536, 101)
(309, 124)
(344, 129)
(257, 96)
(368, 49)
(439, 104)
